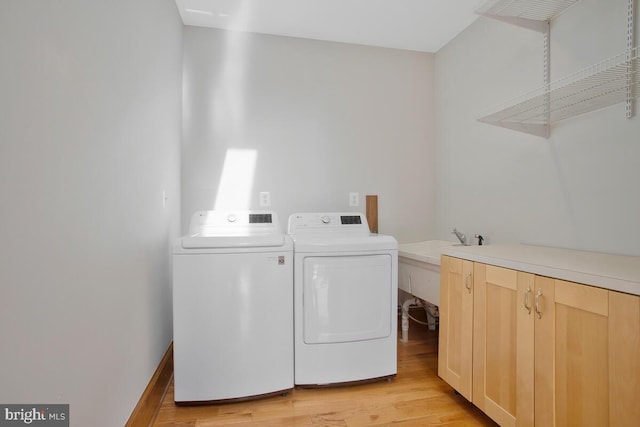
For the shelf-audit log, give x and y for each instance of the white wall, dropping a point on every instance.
(90, 123)
(322, 119)
(577, 189)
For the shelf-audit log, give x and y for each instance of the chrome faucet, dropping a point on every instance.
(460, 236)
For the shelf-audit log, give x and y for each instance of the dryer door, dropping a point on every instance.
(347, 298)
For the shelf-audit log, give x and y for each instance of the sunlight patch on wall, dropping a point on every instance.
(229, 124)
(229, 92)
(236, 180)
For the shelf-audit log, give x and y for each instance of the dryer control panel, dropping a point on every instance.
(332, 222)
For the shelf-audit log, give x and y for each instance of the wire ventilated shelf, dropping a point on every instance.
(526, 13)
(539, 10)
(612, 81)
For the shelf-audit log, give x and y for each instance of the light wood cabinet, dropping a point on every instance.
(503, 344)
(545, 351)
(456, 324)
(587, 355)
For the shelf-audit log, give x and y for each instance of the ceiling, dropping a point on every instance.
(421, 25)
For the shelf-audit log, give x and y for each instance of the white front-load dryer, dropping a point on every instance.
(345, 300)
(232, 308)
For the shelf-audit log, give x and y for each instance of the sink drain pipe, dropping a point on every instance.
(430, 309)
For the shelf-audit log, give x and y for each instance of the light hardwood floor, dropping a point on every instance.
(416, 397)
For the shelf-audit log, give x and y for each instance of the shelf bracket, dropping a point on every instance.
(630, 64)
(547, 77)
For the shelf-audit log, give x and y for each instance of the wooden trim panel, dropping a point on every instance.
(149, 404)
(372, 212)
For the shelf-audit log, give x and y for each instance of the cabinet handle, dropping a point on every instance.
(526, 299)
(467, 282)
(537, 303)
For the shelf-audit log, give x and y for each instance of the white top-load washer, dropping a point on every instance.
(232, 308)
(345, 293)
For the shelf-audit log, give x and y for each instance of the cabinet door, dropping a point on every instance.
(503, 344)
(624, 359)
(586, 355)
(456, 324)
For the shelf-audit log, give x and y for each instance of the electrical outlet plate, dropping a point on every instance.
(354, 199)
(265, 199)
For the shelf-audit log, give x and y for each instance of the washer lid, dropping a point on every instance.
(224, 229)
(202, 242)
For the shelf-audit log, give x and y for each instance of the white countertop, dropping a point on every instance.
(614, 272)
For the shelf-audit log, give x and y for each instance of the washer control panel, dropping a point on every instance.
(212, 223)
